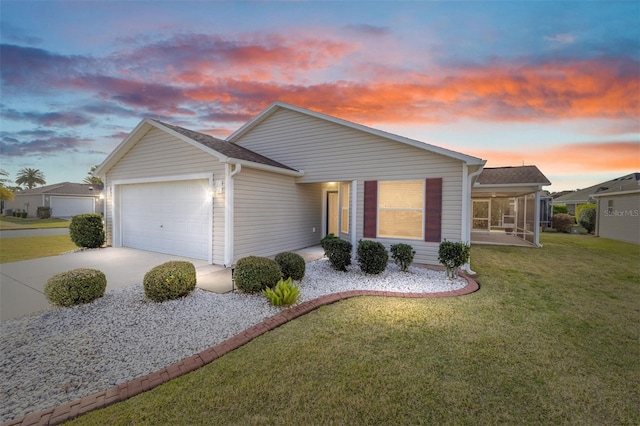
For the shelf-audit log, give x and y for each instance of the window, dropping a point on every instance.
(345, 189)
(401, 209)
(609, 206)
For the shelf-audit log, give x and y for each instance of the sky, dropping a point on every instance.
(554, 84)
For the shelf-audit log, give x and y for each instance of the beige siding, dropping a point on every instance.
(329, 152)
(159, 154)
(18, 203)
(272, 213)
(623, 223)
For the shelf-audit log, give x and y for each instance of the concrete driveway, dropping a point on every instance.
(22, 283)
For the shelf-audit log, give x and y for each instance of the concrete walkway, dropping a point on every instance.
(22, 283)
(40, 232)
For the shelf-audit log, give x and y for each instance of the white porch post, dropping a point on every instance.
(536, 220)
(354, 216)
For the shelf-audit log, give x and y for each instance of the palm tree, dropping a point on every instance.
(93, 180)
(30, 177)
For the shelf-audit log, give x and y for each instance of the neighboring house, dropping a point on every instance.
(508, 200)
(586, 196)
(65, 199)
(618, 211)
(281, 182)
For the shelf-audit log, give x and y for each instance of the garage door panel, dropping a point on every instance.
(168, 217)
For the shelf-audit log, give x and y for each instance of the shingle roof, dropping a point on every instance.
(624, 184)
(584, 195)
(225, 148)
(63, 188)
(512, 175)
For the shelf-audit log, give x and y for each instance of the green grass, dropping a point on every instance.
(7, 222)
(550, 338)
(16, 249)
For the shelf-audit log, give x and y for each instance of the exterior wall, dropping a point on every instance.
(329, 152)
(273, 213)
(159, 154)
(19, 201)
(623, 222)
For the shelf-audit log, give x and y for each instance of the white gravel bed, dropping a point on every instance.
(63, 354)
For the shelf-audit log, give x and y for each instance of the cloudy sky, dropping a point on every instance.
(555, 84)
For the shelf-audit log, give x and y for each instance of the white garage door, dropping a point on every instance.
(71, 206)
(167, 217)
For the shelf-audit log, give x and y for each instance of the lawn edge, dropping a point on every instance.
(124, 391)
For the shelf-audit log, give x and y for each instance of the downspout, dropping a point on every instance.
(228, 211)
(466, 209)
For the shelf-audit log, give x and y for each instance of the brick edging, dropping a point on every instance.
(73, 409)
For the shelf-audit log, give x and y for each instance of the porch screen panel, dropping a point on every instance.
(400, 209)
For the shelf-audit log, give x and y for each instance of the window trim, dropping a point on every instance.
(423, 209)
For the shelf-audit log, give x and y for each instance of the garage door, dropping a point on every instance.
(71, 206)
(167, 217)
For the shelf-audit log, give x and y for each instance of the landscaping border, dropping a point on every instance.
(73, 409)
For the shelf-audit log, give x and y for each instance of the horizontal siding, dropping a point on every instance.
(159, 154)
(330, 152)
(272, 213)
(625, 226)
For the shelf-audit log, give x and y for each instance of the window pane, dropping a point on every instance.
(400, 223)
(345, 189)
(405, 194)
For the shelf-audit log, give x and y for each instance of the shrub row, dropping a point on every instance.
(168, 281)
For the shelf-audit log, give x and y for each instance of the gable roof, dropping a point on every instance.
(63, 188)
(624, 185)
(224, 151)
(519, 175)
(411, 142)
(584, 195)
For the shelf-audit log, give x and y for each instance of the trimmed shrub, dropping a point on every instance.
(581, 207)
(402, 254)
(44, 212)
(326, 240)
(75, 287)
(86, 230)
(254, 274)
(563, 222)
(453, 256)
(284, 293)
(557, 209)
(587, 219)
(170, 280)
(339, 253)
(291, 265)
(372, 256)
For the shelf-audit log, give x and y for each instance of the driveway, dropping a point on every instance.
(22, 283)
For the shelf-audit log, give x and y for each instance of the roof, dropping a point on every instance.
(470, 160)
(624, 185)
(224, 151)
(224, 147)
(63, 188)
(520, 175)
(583, 195)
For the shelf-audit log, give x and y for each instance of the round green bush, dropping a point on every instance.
(339, 253)
(75, 287)
(253, 274)
(563, 222)
(171, 280)
(291, 265)
(86, 230)
(588, 219)
(402, 254)
(372, 256)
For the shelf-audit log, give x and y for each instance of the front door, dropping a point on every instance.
(481, 215)
(332, 213)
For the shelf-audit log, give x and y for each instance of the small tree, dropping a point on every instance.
(587, 219)
(93, 180)
(453, 256)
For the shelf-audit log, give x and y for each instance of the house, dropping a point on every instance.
(281, 182)
(65, 199)
(507, 206)
(618, 211)
(586, 196)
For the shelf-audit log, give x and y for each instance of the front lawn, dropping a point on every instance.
(7, 222)
(550, 338)
(15, 249)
